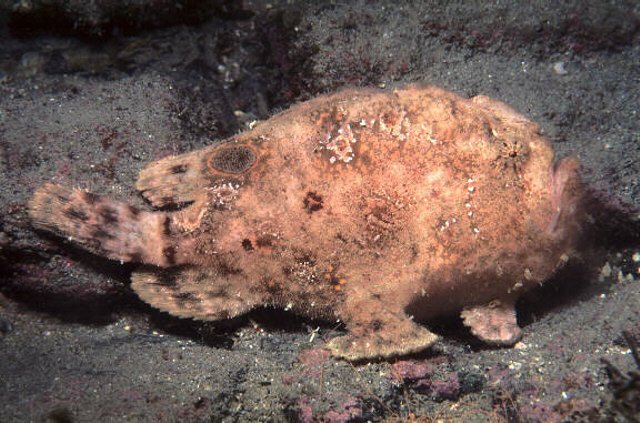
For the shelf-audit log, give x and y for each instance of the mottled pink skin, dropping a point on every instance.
(377, 208)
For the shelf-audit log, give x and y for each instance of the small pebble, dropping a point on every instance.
(5, 326)
(558, 68)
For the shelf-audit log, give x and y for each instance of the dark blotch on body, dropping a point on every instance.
(135, 257)
(247, 245)
(166, 226)
(220, 292)
(264, 241)
(170, 254)
(312, 202)
(134, 211)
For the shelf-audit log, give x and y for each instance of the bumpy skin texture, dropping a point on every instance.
(374, 207)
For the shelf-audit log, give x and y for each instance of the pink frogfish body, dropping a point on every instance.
(381, 209)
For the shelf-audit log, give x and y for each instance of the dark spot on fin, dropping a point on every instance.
(166, 279)
(168, 200)
(90, 198)
(76, 214)
(224, 314)
(99, 233)
(185, 296)
(109, 215)
(182, 168)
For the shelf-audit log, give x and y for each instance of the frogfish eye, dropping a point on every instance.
(232, 159)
